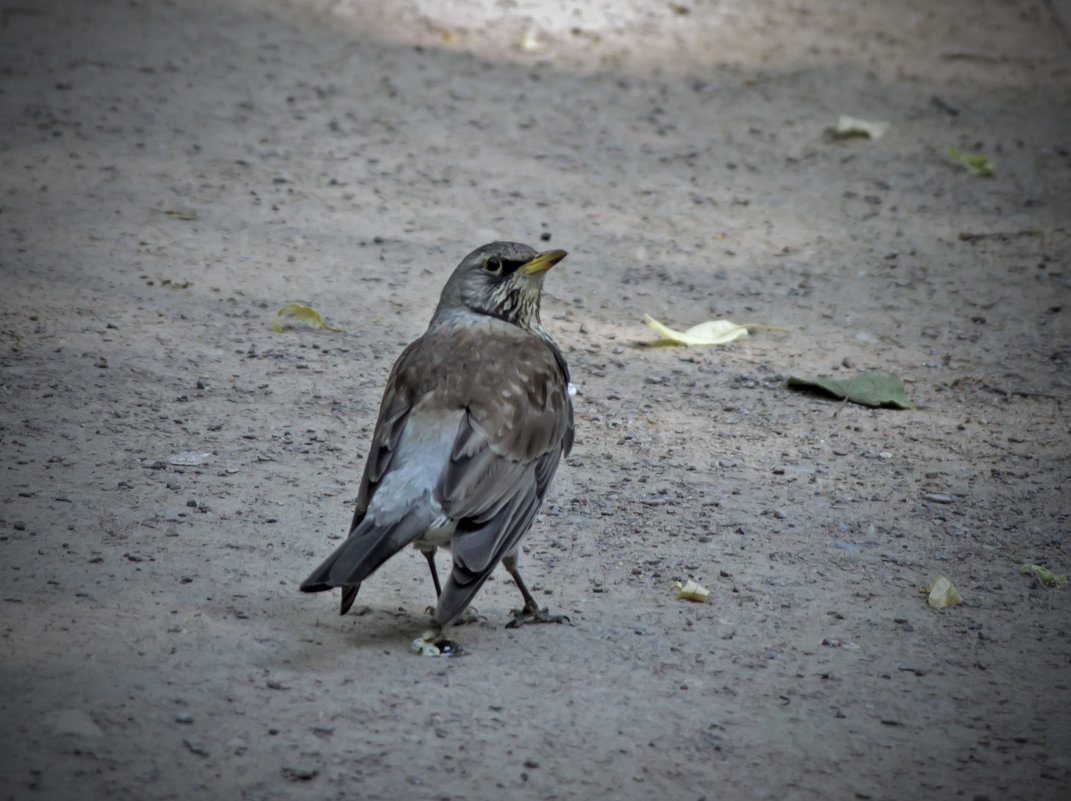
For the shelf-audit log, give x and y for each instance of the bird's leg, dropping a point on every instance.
(430, 556)
(531, 612)
(470, 615)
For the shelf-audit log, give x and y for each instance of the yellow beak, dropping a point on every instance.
(542, 262)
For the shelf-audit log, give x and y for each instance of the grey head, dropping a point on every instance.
(499, 279)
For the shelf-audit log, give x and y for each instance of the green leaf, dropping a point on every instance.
(1043, 573)
(869, 389)
(304, 313)
(974, 163)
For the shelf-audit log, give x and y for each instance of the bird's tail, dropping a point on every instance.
(368, 546)
(477, 551)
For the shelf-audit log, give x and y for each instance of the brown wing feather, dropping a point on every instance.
(519, 423)
(519, 419)
(518, 410)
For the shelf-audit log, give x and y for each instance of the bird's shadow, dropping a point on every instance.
(321, 640)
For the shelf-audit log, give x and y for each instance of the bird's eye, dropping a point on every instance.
(493, 265)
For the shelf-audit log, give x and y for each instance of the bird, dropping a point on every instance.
(475, 418)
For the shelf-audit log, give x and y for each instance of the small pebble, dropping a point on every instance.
(937, 497)
(195, 747)
(300, 772)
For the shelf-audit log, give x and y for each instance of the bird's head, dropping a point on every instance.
(503, 280)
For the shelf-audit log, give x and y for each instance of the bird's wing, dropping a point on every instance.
(402, 391)
(401, 461)
(399, 508)
(518, 424)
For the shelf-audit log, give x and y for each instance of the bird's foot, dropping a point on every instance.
(468, 617)
(434, 643)
(534, 614)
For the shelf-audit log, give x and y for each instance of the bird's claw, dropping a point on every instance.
(535, 615)
(469, 616)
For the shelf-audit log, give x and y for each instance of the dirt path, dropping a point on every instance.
(173, 173)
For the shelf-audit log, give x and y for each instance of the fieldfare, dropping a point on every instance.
(474, 420)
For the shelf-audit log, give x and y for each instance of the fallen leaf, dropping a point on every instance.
(186, 215)
(1043, 573)
(530, 40)
(170, 284)
(305, 313)
(975, 163)
(691, 590)
(712, 332)
(425, 644)
(869, 389)
(943, 594)
(853, 126)
(432, 643)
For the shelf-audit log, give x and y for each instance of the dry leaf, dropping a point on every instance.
(712, 332)
(425, 644)
(182, 214)
(433, 643)
(853, 126)
(943, 594)
(530, 41)
(304, 313)
(691, 590)
(167, 282)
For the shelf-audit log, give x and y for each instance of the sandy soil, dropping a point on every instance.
(173, 173)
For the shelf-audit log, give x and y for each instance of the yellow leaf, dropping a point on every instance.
(943, 594)
(691, 590)
(304, 313)
(712, 332)
(853, 126)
